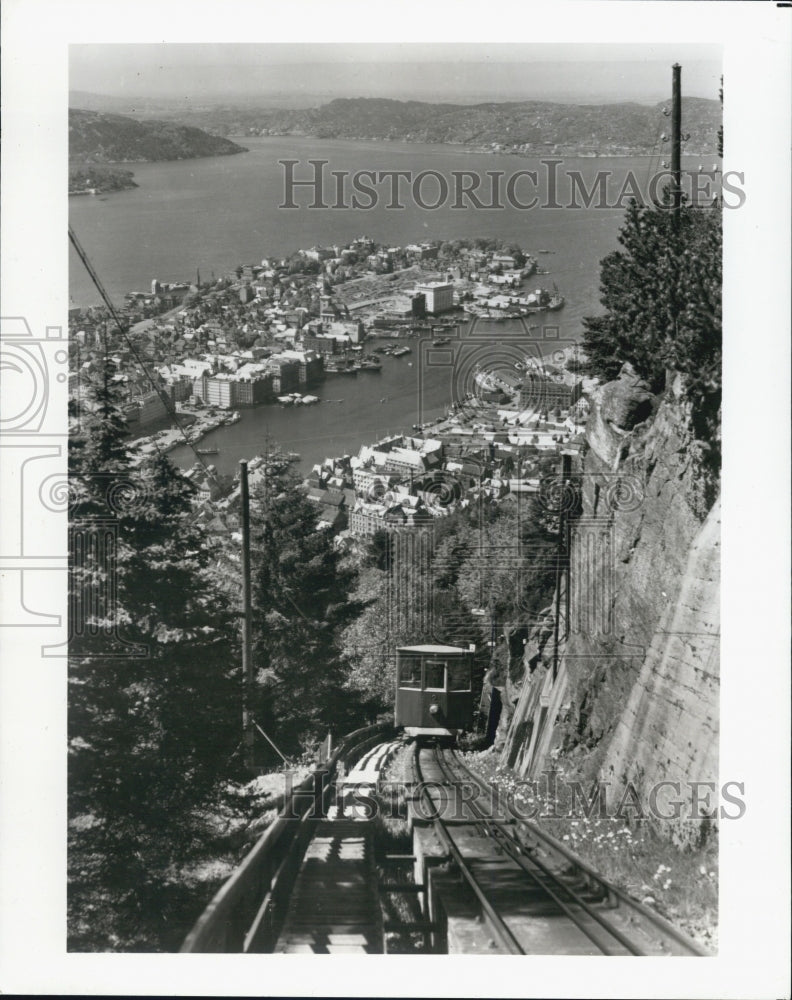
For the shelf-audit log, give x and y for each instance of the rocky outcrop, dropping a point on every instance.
(668, 729)
(616, 409)
(635, 696)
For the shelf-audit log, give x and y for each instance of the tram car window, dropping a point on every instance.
(434, 675)
(434, 690)
(410, 672)
(458, 676)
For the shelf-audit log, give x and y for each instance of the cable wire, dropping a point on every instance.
(123, 330)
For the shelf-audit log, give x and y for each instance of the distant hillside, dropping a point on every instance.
(110, 138)
(532, 127)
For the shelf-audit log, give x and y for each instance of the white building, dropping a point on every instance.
(439, 296)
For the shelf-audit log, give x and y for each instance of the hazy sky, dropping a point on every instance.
(454, 72)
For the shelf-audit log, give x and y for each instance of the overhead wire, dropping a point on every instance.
(655, 154)
(124, 331)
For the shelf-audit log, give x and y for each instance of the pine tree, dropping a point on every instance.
(661, 294)
(151, 734)
(301, 597)
(662, 298)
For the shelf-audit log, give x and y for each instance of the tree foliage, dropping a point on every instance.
(662, 299)
(153, 692)
(302, 603)
(484, 573)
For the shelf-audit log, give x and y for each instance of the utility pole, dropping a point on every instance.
(266, 468)
(247, 633)
(562, 555)
(557, 616)
(676, 137)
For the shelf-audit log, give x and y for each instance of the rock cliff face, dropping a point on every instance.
(634, 696)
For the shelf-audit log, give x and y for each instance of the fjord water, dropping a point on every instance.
(214, 213)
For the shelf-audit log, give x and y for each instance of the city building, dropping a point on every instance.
(319, 343)
(152, 407)
(402, 456)
(369, 480)
(213, 485)
(285, 374)
(219, 390)
(504, 260)
(310, 365)
(391, 514)
(334, 518)
(439, 296)
(538, 392)
(252, 389)
(179, 388)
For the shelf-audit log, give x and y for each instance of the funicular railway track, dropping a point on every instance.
(535, 896)
(310, 884)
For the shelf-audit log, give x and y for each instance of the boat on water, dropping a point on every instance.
(496, 317)
(337, 368)
(297, 399)
(207, 451)
(490, 382)
(557, 300)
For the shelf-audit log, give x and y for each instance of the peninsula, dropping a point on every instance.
(97, 141)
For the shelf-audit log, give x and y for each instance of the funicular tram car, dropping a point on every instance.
(434, 695)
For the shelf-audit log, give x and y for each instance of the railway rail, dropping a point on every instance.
(310, 882)
(526, 878)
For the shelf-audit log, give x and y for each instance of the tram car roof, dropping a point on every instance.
(433, 649)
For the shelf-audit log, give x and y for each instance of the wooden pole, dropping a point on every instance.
(247, 632)
(676, 137)
(557, 622)
(565, 472)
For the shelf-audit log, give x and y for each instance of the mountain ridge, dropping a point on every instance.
(520, 126)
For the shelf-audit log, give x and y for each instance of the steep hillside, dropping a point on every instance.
(635, 697)
(107, 138)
